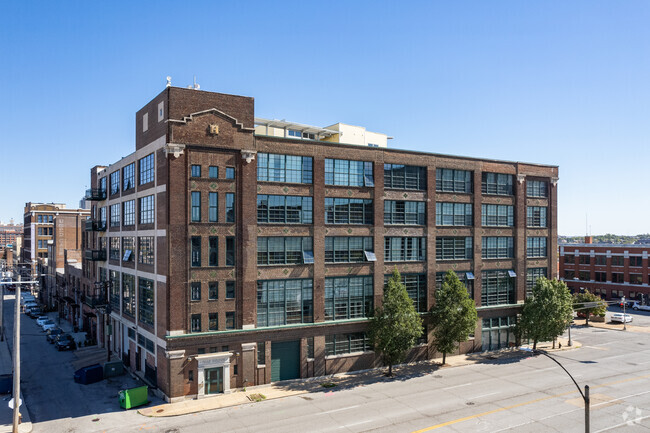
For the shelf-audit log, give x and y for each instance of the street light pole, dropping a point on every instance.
(16, 393)
(624, 318)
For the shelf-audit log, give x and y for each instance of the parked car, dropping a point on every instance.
(628, 304)
(52, 334)
(620, 318)
(34, 312)
(29, 304)
(27, 298)
(47, 323)
(42, 319)
(65, 342)
(636, 306)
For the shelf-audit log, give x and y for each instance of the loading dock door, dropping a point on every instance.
(285, 360)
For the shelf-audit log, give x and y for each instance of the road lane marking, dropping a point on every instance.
(457, 386)
(483, 395)
(337, 410)
(626, 423)
(356, 423)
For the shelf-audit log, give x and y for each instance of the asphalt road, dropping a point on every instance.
(522, 394)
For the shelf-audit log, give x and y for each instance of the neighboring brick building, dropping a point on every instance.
(608, 270)
(9, 233)
(240, 258)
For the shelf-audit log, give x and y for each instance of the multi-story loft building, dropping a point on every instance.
(9, 233)
(237, 255)
(608, 270)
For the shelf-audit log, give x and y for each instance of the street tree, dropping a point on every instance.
(395, 325)
(589, 304)
(453, 316)
(547, 311)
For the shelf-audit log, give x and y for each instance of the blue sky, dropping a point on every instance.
(555, 82)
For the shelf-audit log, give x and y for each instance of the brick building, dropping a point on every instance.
(242, 251)
(9, 233)
(608, 270)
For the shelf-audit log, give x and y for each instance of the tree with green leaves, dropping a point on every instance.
(396, 325)
(589, 304)
(547, 311)
(453, 316)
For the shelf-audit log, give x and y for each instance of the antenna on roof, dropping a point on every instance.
(169, 81)
(194, 86)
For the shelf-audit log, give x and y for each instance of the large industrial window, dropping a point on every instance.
(284, 302)
(283, 250)
(535, 216)
(128, 218)
(347, 249)
(457, 181)
(128, 294)
(284, 168)
(398, 176)
(454, 214)
(128, 176)
(145, 301)
(467, 278)
(128, 249)
(454, 248)
(348, 298)
(342, 172)
(416, 287)
(537, 188)
(404, 249)
(281, 209)
(115, 215)
(145, 250)
(349, 211)
(340, 344)
(498, 288)
(536, 247)
(497, 215)
(146, 210)
(532, 275)
(114, 248)
(146, 169)
(501, 247)
(115, 182)
(497, 183)
(404, 212)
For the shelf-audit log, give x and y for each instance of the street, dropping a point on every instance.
(522, 393)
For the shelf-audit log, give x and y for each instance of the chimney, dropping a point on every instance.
(589, 239)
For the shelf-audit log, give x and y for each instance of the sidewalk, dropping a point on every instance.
(6, 414)
(339, 382)
(79, 337)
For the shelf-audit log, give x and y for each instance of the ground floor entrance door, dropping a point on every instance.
(213, 380)
(285, 360)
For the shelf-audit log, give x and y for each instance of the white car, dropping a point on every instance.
(620, 317)
(636, 306)
(48, 325)
(41, 320)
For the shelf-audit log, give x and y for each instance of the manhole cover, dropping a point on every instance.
(470, 403)
(307, 398)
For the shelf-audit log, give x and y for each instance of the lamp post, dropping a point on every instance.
(585, 395)
(624, 317)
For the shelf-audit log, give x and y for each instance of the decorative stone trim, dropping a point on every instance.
(175, 354)
(554, 181)
(174, 149)
(521, 178)
(248, 155)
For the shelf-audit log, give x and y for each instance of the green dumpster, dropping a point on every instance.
(134, 397)
(115, 368)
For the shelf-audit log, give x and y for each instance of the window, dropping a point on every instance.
(213, 172)
(282, 250)
(636, 279)
(115, 182)
(584, 275)
(213, 290)
(146, 301)
(536, 247)
(230, 207)
(537, 188)
(404, 212)
(497, 183)
(601, 260)
(584, 260)
(601, 277)
(230, 251)
(284, 168)
(636, 261)
(213, 207)
(128, 248)
(346, 343)
(399, 176)
(454, 214)
(195, 248)
(404, 249)
(261, 353)
(454, 248)
(128, 294)
(569, 259)
(467, 278)
(497, 215)
(102, 189)
(146, 169)
(213, 251)
(145, 250)
(129, 213)
(213, 322)
(128, 176)
(230, 172)
(617, 260)
(617, 277)
(146, 210)
(195, 325)
(348, 298)
(448, 180)
(195, 291)
(498, 288)
(114, 249)
(349, 211)
(536, 216)
(115, 215)
(347, 249)
(284, 209)
(498, 332)
(416, 287)
(230, 320)
(114, 293)
(498, 247)
(284, 302)
(310, 347)
(230, 290)
(342, 172)
(195, 171)
(196, 206)
(569, 275)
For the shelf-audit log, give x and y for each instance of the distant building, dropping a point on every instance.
(9, 233)
(608, 270)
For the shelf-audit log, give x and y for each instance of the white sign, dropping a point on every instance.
(11, 403)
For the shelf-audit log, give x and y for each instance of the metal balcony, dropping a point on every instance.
(96, 255)
(95, 225)
(95, 194)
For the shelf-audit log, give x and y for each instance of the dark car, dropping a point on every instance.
(34, 312)
(52, 334)
(65, 342)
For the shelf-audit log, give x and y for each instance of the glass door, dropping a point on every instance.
(213, 380)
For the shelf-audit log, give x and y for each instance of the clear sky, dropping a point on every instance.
(554, 82)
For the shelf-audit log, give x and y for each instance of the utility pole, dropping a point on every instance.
(16, 393)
